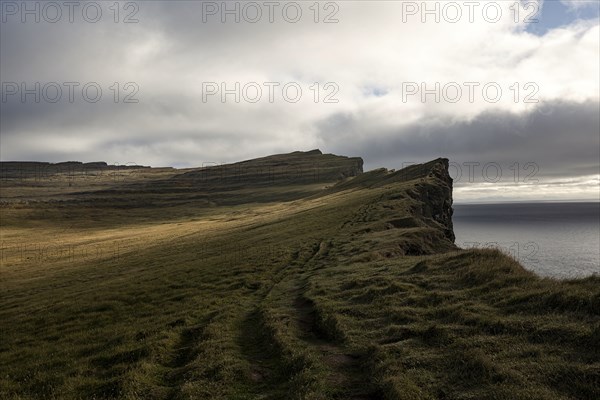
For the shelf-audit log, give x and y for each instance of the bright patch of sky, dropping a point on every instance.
(551, 14)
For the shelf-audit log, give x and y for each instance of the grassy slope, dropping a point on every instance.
(351, 292)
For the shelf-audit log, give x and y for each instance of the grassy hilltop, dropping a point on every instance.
(294, 276)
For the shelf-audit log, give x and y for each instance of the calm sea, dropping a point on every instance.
(560, 240)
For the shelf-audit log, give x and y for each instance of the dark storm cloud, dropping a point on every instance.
(562, 138)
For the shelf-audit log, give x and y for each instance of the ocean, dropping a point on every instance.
(560, 240)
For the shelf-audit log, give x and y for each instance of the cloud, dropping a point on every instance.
(561, 139)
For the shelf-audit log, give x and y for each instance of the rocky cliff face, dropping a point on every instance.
(406, 212)
(435, 195)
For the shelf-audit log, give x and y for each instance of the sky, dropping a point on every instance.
(507, 90)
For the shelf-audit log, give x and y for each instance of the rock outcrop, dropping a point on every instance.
(406, 212)
(435, 195)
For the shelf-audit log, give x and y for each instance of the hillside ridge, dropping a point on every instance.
(298, 167)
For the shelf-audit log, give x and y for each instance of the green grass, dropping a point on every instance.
(349, 292)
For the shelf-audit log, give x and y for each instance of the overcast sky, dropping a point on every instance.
(508, 92)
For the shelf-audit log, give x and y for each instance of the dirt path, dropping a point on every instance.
(184, 352)
(345, 370)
